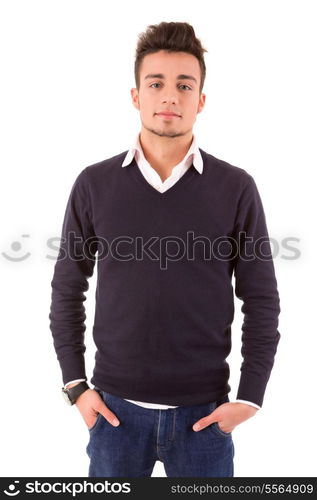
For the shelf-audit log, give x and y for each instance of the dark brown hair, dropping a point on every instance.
(172, 37)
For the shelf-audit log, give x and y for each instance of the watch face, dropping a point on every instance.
(66, 396)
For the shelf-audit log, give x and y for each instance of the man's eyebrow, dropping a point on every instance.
(179, 77)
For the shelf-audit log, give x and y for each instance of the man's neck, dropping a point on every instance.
(163, 153)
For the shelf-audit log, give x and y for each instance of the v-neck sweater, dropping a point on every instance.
(164, 297)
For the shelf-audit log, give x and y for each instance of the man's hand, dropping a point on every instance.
(90, 404)
(228, 416)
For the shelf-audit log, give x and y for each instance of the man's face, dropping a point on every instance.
(169, 82)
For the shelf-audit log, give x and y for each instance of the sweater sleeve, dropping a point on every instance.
(256, 286)
(74, 265)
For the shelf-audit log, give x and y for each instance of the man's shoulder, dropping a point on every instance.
(224, 168)
(107, 165)
(100, 172)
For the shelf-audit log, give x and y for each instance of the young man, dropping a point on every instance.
(171, 224)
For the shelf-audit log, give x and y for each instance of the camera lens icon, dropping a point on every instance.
(13, 492)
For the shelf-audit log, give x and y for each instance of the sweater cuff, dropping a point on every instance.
(73, 368)
(251, 388)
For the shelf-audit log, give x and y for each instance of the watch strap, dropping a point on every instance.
(76, 391)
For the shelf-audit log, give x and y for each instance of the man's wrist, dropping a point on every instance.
(69, 386)
(250, 403)
(71, 383)
(71, 394)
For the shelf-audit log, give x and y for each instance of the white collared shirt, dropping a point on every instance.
(193, 156)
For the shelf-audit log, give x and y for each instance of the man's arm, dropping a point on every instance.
(74, 266)
(256, 286)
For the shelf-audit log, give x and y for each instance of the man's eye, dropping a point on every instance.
(182, 85)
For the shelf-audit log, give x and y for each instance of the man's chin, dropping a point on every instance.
(164, 132)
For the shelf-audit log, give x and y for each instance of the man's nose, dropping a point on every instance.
(169, 98)
(169, 95)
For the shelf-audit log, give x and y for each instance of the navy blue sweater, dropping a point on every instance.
(164, 297)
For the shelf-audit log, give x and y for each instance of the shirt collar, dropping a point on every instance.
(193, 155)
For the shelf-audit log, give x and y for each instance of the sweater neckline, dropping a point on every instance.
(190, 172)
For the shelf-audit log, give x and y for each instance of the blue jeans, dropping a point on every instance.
(146, 435)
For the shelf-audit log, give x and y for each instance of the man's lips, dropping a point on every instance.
(169, 115)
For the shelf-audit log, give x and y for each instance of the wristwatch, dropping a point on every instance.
(72, 394)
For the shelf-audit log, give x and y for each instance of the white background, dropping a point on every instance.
(67, 70)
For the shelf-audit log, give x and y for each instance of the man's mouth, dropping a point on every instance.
(166, 114)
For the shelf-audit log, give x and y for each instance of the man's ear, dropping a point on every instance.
(135, 98)
(201, 103)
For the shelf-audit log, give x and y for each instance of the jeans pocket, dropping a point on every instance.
(99, 416)
(214, 427)
(98, 419)
(220, 431)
